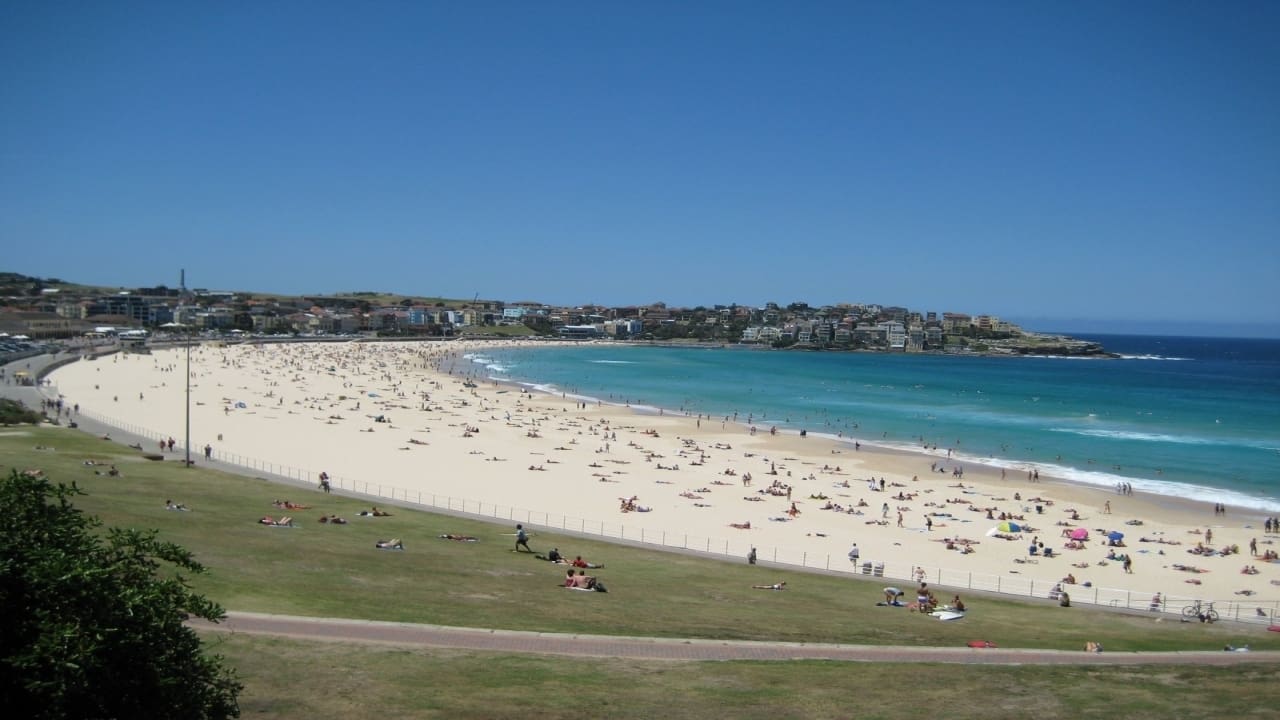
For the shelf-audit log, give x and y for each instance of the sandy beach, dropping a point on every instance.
(404, 419)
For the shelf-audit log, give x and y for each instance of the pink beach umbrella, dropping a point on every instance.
(1080, 534)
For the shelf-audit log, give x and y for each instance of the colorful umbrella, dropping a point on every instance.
(1080, 534)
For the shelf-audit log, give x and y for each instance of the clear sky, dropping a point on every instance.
(1059, 163)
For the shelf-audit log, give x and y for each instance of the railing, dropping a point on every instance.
(1020, 586)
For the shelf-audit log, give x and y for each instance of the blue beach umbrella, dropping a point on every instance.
(1009, 527)
(1115, 536)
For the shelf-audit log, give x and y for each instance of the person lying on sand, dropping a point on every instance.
(459, 538)
(171, 505)
(392, 544)
(282, 522)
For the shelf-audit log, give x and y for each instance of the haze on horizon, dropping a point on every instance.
(1076, 168)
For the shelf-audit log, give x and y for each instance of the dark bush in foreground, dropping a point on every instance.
(91, 625)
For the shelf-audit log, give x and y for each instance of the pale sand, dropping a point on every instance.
(293, 416)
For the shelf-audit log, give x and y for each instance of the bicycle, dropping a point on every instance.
(1203, 612)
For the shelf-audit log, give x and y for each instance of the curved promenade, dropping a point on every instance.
(641, 648)
(648, 648)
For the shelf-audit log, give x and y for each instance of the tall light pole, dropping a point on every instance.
(187, 327)
(187, 444)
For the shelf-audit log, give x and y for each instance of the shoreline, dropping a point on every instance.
(314, 406)
(1182, 490)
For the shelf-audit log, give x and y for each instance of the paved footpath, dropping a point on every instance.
(639, 648)
(647, 648)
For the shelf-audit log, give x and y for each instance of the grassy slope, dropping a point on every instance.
(326, 570)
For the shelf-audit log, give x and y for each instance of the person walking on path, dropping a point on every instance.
(208, 451)
(522, 539)
(854, 554)
(324, 481)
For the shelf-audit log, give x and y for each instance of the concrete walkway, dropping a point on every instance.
(371, 632)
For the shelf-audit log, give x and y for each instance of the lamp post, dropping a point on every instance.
(187, 444)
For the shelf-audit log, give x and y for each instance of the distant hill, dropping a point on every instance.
(14, 284)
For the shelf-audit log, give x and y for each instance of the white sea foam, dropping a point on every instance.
(1187, 491)
(613, 362)
(1152, 357)
(1166, 438)
(1143, 436)
(549, 389)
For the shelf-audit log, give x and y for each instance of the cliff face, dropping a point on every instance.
(1077, 348)
(1051, 345)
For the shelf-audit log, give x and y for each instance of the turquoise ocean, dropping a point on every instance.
(1197, 418)
(1194, 418)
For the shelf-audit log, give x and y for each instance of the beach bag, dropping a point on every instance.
(599, 587)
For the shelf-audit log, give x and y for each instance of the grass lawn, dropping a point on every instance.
(318, 680)
(334, 571)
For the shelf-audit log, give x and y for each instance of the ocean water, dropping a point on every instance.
(1190, 417)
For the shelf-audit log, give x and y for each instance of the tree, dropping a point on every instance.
(92, 624)
(13, 412)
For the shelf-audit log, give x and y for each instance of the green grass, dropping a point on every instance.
(334, 571)
(318, 680)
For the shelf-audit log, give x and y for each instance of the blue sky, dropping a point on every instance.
(1065, 164)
